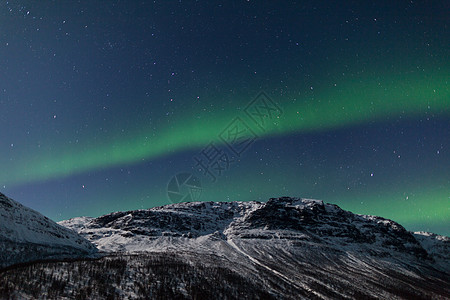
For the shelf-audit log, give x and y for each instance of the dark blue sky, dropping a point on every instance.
(102, 103)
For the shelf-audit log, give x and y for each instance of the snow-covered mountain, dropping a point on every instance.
(285, 248)
(312, 249)
(26, 235)
(278, 219)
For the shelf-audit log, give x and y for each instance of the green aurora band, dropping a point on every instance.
(344, 105)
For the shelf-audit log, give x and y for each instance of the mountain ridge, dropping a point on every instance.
(292, 218)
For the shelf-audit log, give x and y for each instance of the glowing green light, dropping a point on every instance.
(346, 104)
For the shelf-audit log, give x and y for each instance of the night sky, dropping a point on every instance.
(102, 103)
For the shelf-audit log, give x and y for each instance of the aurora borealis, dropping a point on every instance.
(102, 103)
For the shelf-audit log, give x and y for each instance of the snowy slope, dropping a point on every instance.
(26, 235)
(437, 246)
